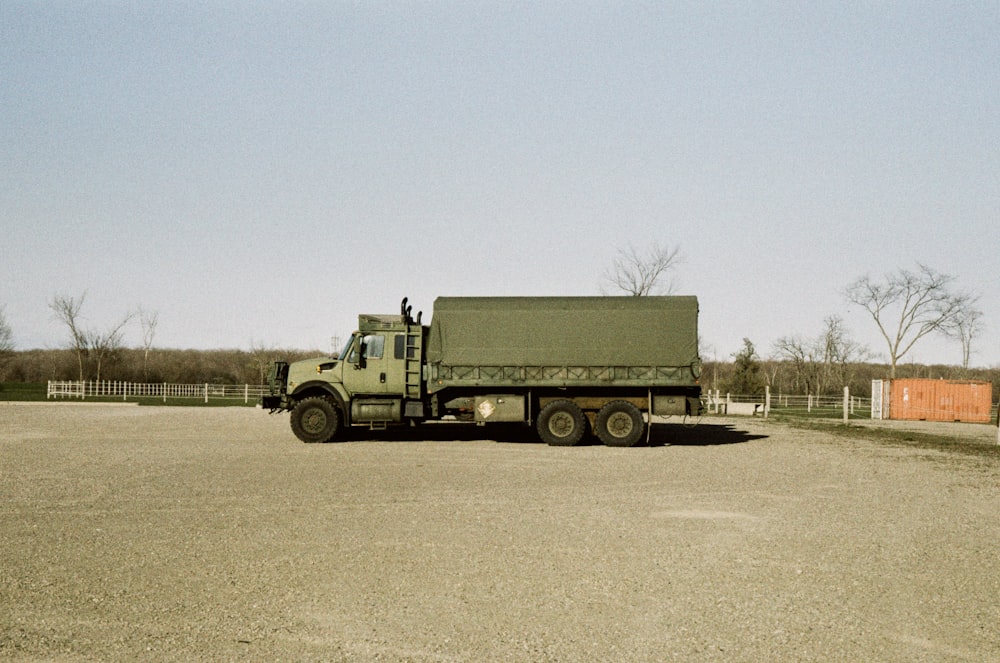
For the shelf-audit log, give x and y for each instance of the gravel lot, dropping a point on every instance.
(213, 534)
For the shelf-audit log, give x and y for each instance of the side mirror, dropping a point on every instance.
(353, 356)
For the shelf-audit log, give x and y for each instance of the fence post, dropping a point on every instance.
(246, 393)
(767, 400)
(728, 401)
(809, 404)
(206, 392)
(847, 398)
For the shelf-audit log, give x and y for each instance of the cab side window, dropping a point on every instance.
(373, 346)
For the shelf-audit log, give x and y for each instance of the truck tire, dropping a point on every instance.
(620, 424)
(315, 419)
(561, 424)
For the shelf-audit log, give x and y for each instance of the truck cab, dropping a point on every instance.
(376, 380)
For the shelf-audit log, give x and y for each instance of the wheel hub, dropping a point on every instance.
(314, 421)
(620, 424)
(561, 424)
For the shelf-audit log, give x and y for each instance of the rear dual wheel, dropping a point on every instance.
(561, 423)
(620, 424)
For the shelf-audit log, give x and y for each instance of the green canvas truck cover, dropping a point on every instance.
(555, 331)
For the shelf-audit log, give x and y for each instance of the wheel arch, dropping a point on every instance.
(326, 390)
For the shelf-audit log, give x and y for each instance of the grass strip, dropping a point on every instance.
(895, 437)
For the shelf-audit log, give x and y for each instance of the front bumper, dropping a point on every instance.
(271, 402)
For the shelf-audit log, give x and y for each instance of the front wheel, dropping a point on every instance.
(315, 419)
(620, 424)
(561, 424)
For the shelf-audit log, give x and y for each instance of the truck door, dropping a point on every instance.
(376, 371)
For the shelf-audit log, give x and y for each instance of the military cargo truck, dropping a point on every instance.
(563, 365)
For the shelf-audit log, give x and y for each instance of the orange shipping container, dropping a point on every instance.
(940, 400)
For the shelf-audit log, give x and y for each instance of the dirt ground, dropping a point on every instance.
(141, 533)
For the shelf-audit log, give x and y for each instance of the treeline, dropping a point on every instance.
(746, 374)
(785, 377)
(153, 365)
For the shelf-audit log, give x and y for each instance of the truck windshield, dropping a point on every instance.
(347, 347)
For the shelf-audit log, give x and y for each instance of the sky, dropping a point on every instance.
(258, 174)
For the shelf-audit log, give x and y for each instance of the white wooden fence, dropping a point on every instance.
(105, 389)
(844, 405)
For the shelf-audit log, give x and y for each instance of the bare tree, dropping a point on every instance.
(639, 273)
(148, 320)
(6, 334)
(907, 306)
(104, 344)
(88, 343)
(770, 368)
(824, 363)
(966, 326)
(800, 353)
(67, 311)
(840, 351)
